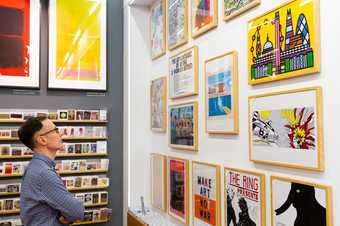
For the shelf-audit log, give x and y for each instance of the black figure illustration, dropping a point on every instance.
(244, 218)
(230, 210)
(309, 212)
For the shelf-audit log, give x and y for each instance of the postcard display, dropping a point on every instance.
(82, 164)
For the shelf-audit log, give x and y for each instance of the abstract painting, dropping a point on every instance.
(157, 25)
(177, 23)
(158, 104)
(233, 8)
(284, 42)
(203, 16)
(221, 94)
(285, 128)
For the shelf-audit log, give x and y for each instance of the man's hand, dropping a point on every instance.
(62, 220)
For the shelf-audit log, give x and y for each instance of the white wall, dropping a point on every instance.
(229, 150)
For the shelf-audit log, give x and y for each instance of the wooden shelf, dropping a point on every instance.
(82, 172)
(7, 212)
(9, 193)
(56, 121)
(96, 205)
(58, 156)
(10, 175)
(8, 138)
(65, 138)
(90, 222)
(16, 157)
(88, 188)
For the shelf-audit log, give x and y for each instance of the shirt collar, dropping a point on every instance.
(44, 158)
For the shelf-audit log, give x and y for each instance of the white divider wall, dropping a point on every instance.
(231, 150)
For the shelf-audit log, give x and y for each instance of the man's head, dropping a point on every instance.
(40, 133)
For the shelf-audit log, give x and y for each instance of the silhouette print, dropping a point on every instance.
(244, 218)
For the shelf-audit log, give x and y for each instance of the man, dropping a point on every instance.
(44, 199)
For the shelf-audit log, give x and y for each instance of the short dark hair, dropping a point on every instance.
(29, 128)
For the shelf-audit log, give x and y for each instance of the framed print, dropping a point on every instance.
(233, 8)
(204, 16)
(157, 26)
(284, 42)
(297, 202)
(285, 128)
(183, 124)
(19, 43)
(177, 23)
(77, 45)
(183, 73)
(178, 181)
(158, 104)
(206, 194)
(244, 197)
(158, 181)
(221, 94)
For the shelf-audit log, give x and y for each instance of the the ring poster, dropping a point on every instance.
(77, 45)
(19, 43)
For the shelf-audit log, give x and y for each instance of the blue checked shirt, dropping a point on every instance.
(44, 197)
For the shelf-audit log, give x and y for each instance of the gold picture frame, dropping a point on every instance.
(281, 57)
(183, 126)
(188, 71)
(222, 93)
(162, 159)
(173, 44)
(206, 197)
(201, 19)
(158, 104)
(153, 25)
(177, 166)
(238, 11)
(305, 190)
(283, 123)
(249, 182)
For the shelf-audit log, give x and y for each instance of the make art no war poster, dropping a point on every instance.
(244, 198)
(206, 194)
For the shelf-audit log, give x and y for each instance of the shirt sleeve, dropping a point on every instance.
(54, 193)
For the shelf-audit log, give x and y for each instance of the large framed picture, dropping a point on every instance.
(285, 128)
(284, 42)
(206, 194)
(204, 16)
(297, 202)
(232, 8)
(178, 180)
(158, 181)
(177, 23)
(221, 94)
(19, 43)
(157, 29)
(158, 104)
(183, 126)
(244, 197)
(77, 45)
(183, 73)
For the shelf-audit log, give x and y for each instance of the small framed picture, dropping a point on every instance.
(206, 194)
(157, 29)
(183, 73)
(232, 8)
(204, 16)
(285, 128)
(221, 94)
(178, 183)
(297, 202)
(244, 197)
(158, 181)
(183, 126)
(158, 104)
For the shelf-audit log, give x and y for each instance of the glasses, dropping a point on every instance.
(50, 131)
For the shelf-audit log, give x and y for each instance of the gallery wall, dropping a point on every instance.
(112, 100)
(225, 150)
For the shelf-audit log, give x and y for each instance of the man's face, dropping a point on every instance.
(49, 136)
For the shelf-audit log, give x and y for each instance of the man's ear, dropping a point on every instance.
(41, 140)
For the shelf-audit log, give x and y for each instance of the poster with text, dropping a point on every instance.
(177, 23)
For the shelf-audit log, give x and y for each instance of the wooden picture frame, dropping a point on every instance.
(299, 46)
(158, 29)
(231, 11)
(177, 31)
(158, 104)
(77, 49)
(183, 126)
(285, 128)
(288, 193)
(249, 188)
(221, 94)
(158, 166)
(20, 44)
(183, 73)
(204, 17)
(206, 194)
(178, 189)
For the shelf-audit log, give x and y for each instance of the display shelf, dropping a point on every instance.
(57, 156)
(10, 175)
(82, 172)
(16, 157)
(96, 205)
(88, 188)
(64, 138)
(8, 212)
(90, 222)
(9, 193)
(9, 121)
